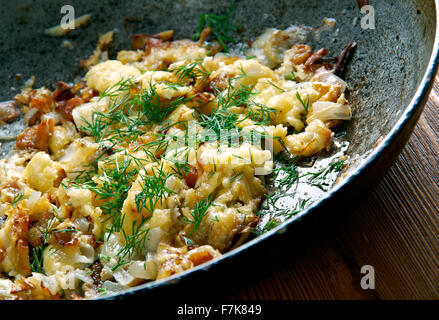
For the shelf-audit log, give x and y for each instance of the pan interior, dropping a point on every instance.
(383, 75)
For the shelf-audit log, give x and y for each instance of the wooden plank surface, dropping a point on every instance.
(395, 230)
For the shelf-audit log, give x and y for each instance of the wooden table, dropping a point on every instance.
(395, 230)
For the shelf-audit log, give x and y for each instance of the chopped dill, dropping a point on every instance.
(318, 179)
(276, 86)
(279, 216)
(291, 76)
(17, 198)
(286, 176)
(102, 291)
(237, 176)
(304, 104)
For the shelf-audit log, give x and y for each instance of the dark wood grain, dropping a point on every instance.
(395, 230)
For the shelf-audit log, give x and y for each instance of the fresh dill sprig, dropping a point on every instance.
(120, 262)
(222, 118)
(37, 253)
(17, 198)
(180, 169)
(111, 185)
(220, 26)
(192, 70)
(122, 85)
(150, 107)
(260, 114)
(134, 243)
(237, 176)
(199, 212)
(153, 191)
(286, 158)
(273, 223)
(219, 120)
(275, 85)
(37, 257)
(304, 104)
(291, 76)
(129, 117)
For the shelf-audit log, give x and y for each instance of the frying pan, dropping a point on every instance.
(389, 78)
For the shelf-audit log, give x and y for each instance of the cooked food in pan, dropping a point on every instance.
(155, 162)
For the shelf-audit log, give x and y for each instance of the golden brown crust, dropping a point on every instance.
(66, 107)
(15, 243)
(41, 101)
(8, 111)
(301, 54)
(20, 236)
(36, 137)
(312, 63)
